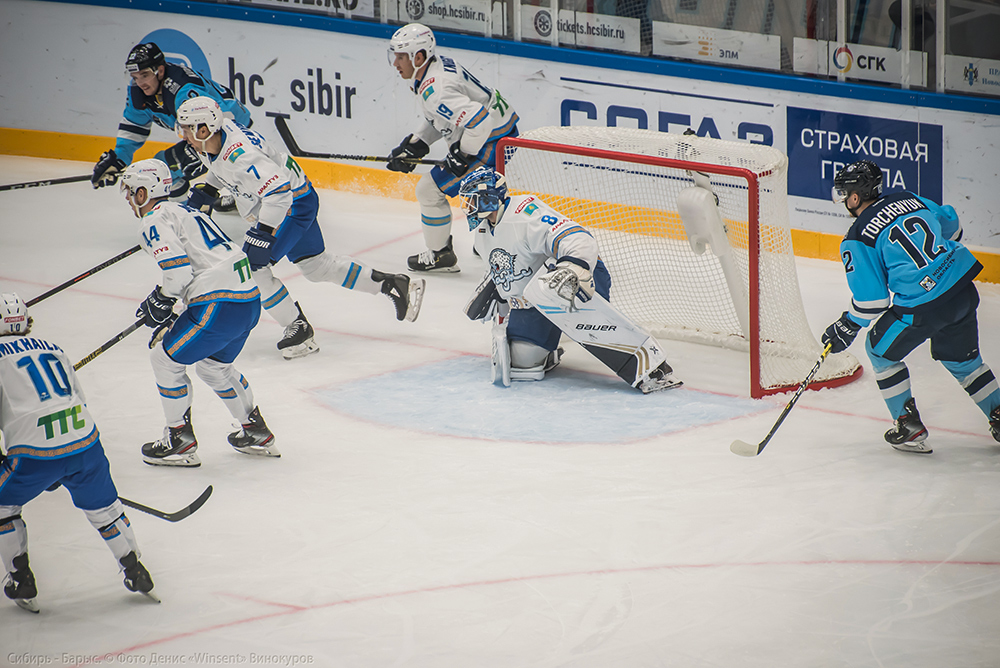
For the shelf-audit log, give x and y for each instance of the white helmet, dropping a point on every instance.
(14, 317)
(197, 111)
(411, 39)
(151, 174)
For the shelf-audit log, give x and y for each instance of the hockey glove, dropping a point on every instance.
(161, 331)
(257, 246)
(457, 162)
(107, 170)
(182, 157)
(157, 309)
(408, 148)
(203, 197)
(486, 301)
(841, 334)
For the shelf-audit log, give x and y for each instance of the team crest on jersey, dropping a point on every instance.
(502, 268)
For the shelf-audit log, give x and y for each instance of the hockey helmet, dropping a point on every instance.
(151, 174)
(197, 111)
(14, 318)
(863, 177)
(412, 39)
(144, 56)
(481, 192)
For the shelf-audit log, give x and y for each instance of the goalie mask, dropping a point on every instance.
(863, 177)
(482, 192)
(153, 175)
(411, 39)
(196, 112)
(14, 318)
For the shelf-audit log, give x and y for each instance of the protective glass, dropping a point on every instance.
(469, 204)
(839, 195)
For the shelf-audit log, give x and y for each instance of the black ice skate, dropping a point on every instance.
(20, 585)
(909, 434)
(178, 447)
(137, 578)
(298, 338)
(660, 378)
(438, 261)
(995, 424)
(254, 438)
(407, 295)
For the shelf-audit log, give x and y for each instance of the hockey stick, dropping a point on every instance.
(44, 182)
(89, 272)
(744, 449)
(121, 335)
(171, 517)
(293, 146)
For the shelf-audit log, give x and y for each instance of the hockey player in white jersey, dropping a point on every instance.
(545, 278)
(456, 106)
(51, 440)
(274, 195)
(209, 274)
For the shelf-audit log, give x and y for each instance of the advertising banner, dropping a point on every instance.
(722, 47)
(597, 31)
(857, 61)
(972, 75)
(345, 8)
(465, 15)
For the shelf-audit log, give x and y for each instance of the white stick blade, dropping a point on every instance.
(744, 449)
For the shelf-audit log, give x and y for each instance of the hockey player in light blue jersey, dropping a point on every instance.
(909, 273)
(156, 89)
(51, 440)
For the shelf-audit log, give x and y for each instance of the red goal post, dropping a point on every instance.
(682, 265)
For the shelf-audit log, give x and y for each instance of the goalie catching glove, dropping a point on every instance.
(486, 301)
(841, 334)
(571, 282)
(107, 170)
(409, 148)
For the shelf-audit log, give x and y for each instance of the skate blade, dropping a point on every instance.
(29, 604)
(301, 350)
(650, 386)
(151, 595)
(190, 460)
(918, 448)
(259, 450)
(415, 298)
(454, 269)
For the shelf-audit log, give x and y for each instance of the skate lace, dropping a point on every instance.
(426, 257)
(294, 328)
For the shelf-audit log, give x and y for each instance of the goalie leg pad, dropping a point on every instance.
(500, 356)
(527, 361)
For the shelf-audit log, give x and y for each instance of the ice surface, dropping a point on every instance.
(421, 517)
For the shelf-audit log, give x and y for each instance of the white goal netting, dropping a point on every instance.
(740, 291)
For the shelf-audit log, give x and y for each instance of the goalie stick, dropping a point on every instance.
(744, 449)
(121, 335)
(44, 182)
(89, 272)
(293, 147)
(171, 517)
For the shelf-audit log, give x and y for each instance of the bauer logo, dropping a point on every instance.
(181, 49)
(822, 142)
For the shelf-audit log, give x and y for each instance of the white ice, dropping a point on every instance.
(421, 517)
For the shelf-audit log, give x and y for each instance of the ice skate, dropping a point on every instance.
(178, 447)
(254, 438)
(407, 295)
(909, 434)
(137, 578)
(995, 424)
(440, 261)
(298, 338)
(660, 378)
(20, 585)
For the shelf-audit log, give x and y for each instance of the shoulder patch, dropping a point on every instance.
(235, 151)
(525, 203)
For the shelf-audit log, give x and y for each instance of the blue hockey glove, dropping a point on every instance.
(203, 197)
(457, 162)
(408, 148)
(841, 334)
(157, 309)
(182, 157)
(257, 246)
(107, 170)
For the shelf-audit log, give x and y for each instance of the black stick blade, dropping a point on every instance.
(171, 517)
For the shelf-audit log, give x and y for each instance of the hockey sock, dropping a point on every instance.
(13, 536)
(894, 384)
(230, 385)
(173, 384)
(342, 270)
(978, 380)
(435, 213)
(115, 529)
(274, 297)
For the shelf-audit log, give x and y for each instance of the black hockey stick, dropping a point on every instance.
(45, 182)
(744, 449)
(293, 146)
(171, 517)
(89, 272)
(121, 335)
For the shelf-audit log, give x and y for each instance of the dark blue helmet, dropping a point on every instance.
(481, 192)
(144, 56)
(863, 177)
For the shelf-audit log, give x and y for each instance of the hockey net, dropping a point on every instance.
(740, 291)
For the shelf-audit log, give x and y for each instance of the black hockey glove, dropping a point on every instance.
(841, 334)
(408, 148)
(107, 170)
(257, 246)
(157, 309)
(486, 301)
(457, 162)
(203, 197)
(181, 157)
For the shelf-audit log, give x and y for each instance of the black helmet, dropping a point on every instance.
(144, 56)
(863, 177)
